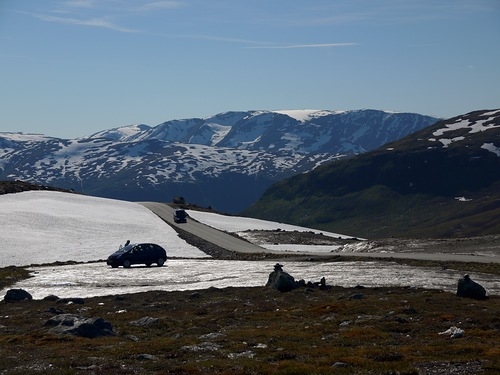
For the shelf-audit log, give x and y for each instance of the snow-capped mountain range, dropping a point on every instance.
(225, 161)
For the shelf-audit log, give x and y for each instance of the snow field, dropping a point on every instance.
(42, 227)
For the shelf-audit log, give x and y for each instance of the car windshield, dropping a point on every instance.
(180, 213)
(123, 249)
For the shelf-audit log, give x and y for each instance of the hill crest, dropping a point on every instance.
(441, 181)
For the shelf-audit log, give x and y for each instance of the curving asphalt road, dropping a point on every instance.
(228, 242)
(212, 235)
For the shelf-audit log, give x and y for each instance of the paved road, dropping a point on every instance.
(232, 243)
(205, 232)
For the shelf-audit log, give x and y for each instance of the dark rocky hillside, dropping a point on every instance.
(442, 181)
(17, 186)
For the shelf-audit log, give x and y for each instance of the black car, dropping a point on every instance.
(142, 253)
(180, 216)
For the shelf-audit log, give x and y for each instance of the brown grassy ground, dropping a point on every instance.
(260, 331)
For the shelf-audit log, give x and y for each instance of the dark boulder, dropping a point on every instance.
(51, 297)
(17, 295)
(79, 326)
(284, 282)
(280, 280)
(470, 289)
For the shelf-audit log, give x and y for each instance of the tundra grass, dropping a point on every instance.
(259, 331)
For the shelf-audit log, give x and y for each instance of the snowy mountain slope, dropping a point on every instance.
(303, 131)
(225, 161)
(123, 133)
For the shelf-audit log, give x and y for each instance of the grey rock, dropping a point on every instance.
(470, 289)
(357, 296)
(146, 357)
(203, 347)
(79, 326)
(51, 297)
(340, 364)
(282, 281)
(145, 322)
(17, 295)
(212, 336)
(195, 295)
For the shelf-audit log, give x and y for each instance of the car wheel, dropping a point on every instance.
(160, 262)
(126, 263)
(148, 264)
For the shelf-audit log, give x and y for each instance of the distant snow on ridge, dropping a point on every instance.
(24, 137)
(304, 115)
(471, 126)
(122, 133)
(491, 148)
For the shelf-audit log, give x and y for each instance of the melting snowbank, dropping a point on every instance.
(97, 279)
(45, 226)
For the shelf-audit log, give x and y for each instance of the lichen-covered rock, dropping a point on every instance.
(79, 326)
(145, 322)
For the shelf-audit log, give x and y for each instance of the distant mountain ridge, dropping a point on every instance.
(441, 181)
(304, 131)
(225, 161)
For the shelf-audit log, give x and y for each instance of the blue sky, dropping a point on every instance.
(71, 68)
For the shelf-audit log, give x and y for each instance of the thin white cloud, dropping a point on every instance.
(103, 22)
(317, 45)
(156, 5)
(267, 45)
(80, 3)
(224, 39)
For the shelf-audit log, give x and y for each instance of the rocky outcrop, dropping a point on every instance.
(79, 326)
(281, 280)
(145, 322)
(470, 289)
(17, 295)
(284, 282)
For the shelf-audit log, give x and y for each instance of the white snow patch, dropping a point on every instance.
(238, 224)
(25, 137)
(304, 115)
(291, 248)
(446, 142)
(42, 227)
(478, 126)
(492, 113)
(460, 124)
(492, 148)
(39, 227)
